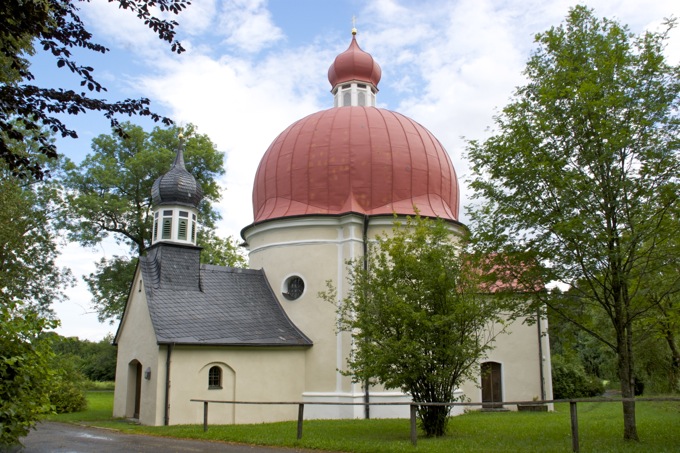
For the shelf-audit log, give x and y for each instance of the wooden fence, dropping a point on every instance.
(573, 410)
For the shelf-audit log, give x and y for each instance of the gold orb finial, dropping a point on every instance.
(354, 28)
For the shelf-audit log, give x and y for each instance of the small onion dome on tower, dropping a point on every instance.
(177, 186)
(175, 197)
(354, 76)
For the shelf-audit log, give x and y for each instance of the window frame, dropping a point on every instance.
(215, 378)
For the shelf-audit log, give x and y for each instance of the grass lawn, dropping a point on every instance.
(600, 430)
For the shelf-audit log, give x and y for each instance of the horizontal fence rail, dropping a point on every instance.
(414, 409)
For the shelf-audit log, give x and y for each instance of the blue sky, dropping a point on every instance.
(253, 67)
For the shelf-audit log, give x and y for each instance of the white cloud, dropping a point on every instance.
(77, 317)
(248, 25)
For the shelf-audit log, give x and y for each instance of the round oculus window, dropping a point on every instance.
(293, 287)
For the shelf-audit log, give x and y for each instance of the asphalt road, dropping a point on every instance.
(66, 438)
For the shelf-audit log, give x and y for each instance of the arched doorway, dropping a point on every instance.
(134, 393)
(492, 388)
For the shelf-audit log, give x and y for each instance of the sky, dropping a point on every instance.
(253, 67)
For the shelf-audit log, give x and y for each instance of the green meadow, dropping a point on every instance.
(600, 430)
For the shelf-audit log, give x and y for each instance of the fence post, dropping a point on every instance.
(414, 431)
(574, 426)
(205, 416)
(301, 411)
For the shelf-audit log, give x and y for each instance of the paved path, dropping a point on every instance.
(66, 438)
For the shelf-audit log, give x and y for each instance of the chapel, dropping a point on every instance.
(324, 189)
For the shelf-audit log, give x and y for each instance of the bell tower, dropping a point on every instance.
(175, 198)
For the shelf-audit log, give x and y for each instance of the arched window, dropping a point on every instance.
(346, 98)
(215, 378)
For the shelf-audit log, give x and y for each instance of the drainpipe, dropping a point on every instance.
(540, 352)
(167, 384)
(367, 397)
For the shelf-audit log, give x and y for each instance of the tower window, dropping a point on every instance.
(166, 233)
(167, 228)
(182, 229)
(155, 227)
(182, 225)
(362, 98)
(293, 287)
(193, 228)
(215, 378)
(346, 98)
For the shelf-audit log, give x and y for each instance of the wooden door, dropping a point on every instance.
(492, 389)
(138, 390)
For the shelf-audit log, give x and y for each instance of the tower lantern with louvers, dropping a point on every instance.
(175, 198)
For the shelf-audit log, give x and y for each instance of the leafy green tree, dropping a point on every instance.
(25, 374)
(54, 27)
(581, 174)
(96, 361)
(28, 240)
(109, 285)
(220, 251)
(109, 195)
(30, 282)
(417, 317)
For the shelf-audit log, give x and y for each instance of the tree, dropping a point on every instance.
(30, 282)
(95, 360)
(418, 320)
(25, 374)
(582, 173)
(28, 248)
(55, 27)
(109, 194)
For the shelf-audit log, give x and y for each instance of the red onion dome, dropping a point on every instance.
(361, 160)
(354, 64)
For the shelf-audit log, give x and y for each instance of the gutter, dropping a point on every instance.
(540, 353)
(367, 396)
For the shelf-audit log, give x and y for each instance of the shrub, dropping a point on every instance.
(571, 381)
(67, 397)
(68, 390)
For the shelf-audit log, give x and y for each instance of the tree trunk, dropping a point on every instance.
(675, 361)
(627, 377)
(433, 420)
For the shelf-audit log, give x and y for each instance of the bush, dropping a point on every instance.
(25, 375)
(68, 397)
(571, 381)
(68, 391)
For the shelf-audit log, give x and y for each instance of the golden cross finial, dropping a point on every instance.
(354, 23)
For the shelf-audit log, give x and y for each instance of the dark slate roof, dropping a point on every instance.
(214, 305)
(177, 186)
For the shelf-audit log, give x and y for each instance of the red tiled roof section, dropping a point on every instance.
(363, 160)
(354, 64)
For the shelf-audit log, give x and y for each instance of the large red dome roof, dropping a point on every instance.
(363, 160)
